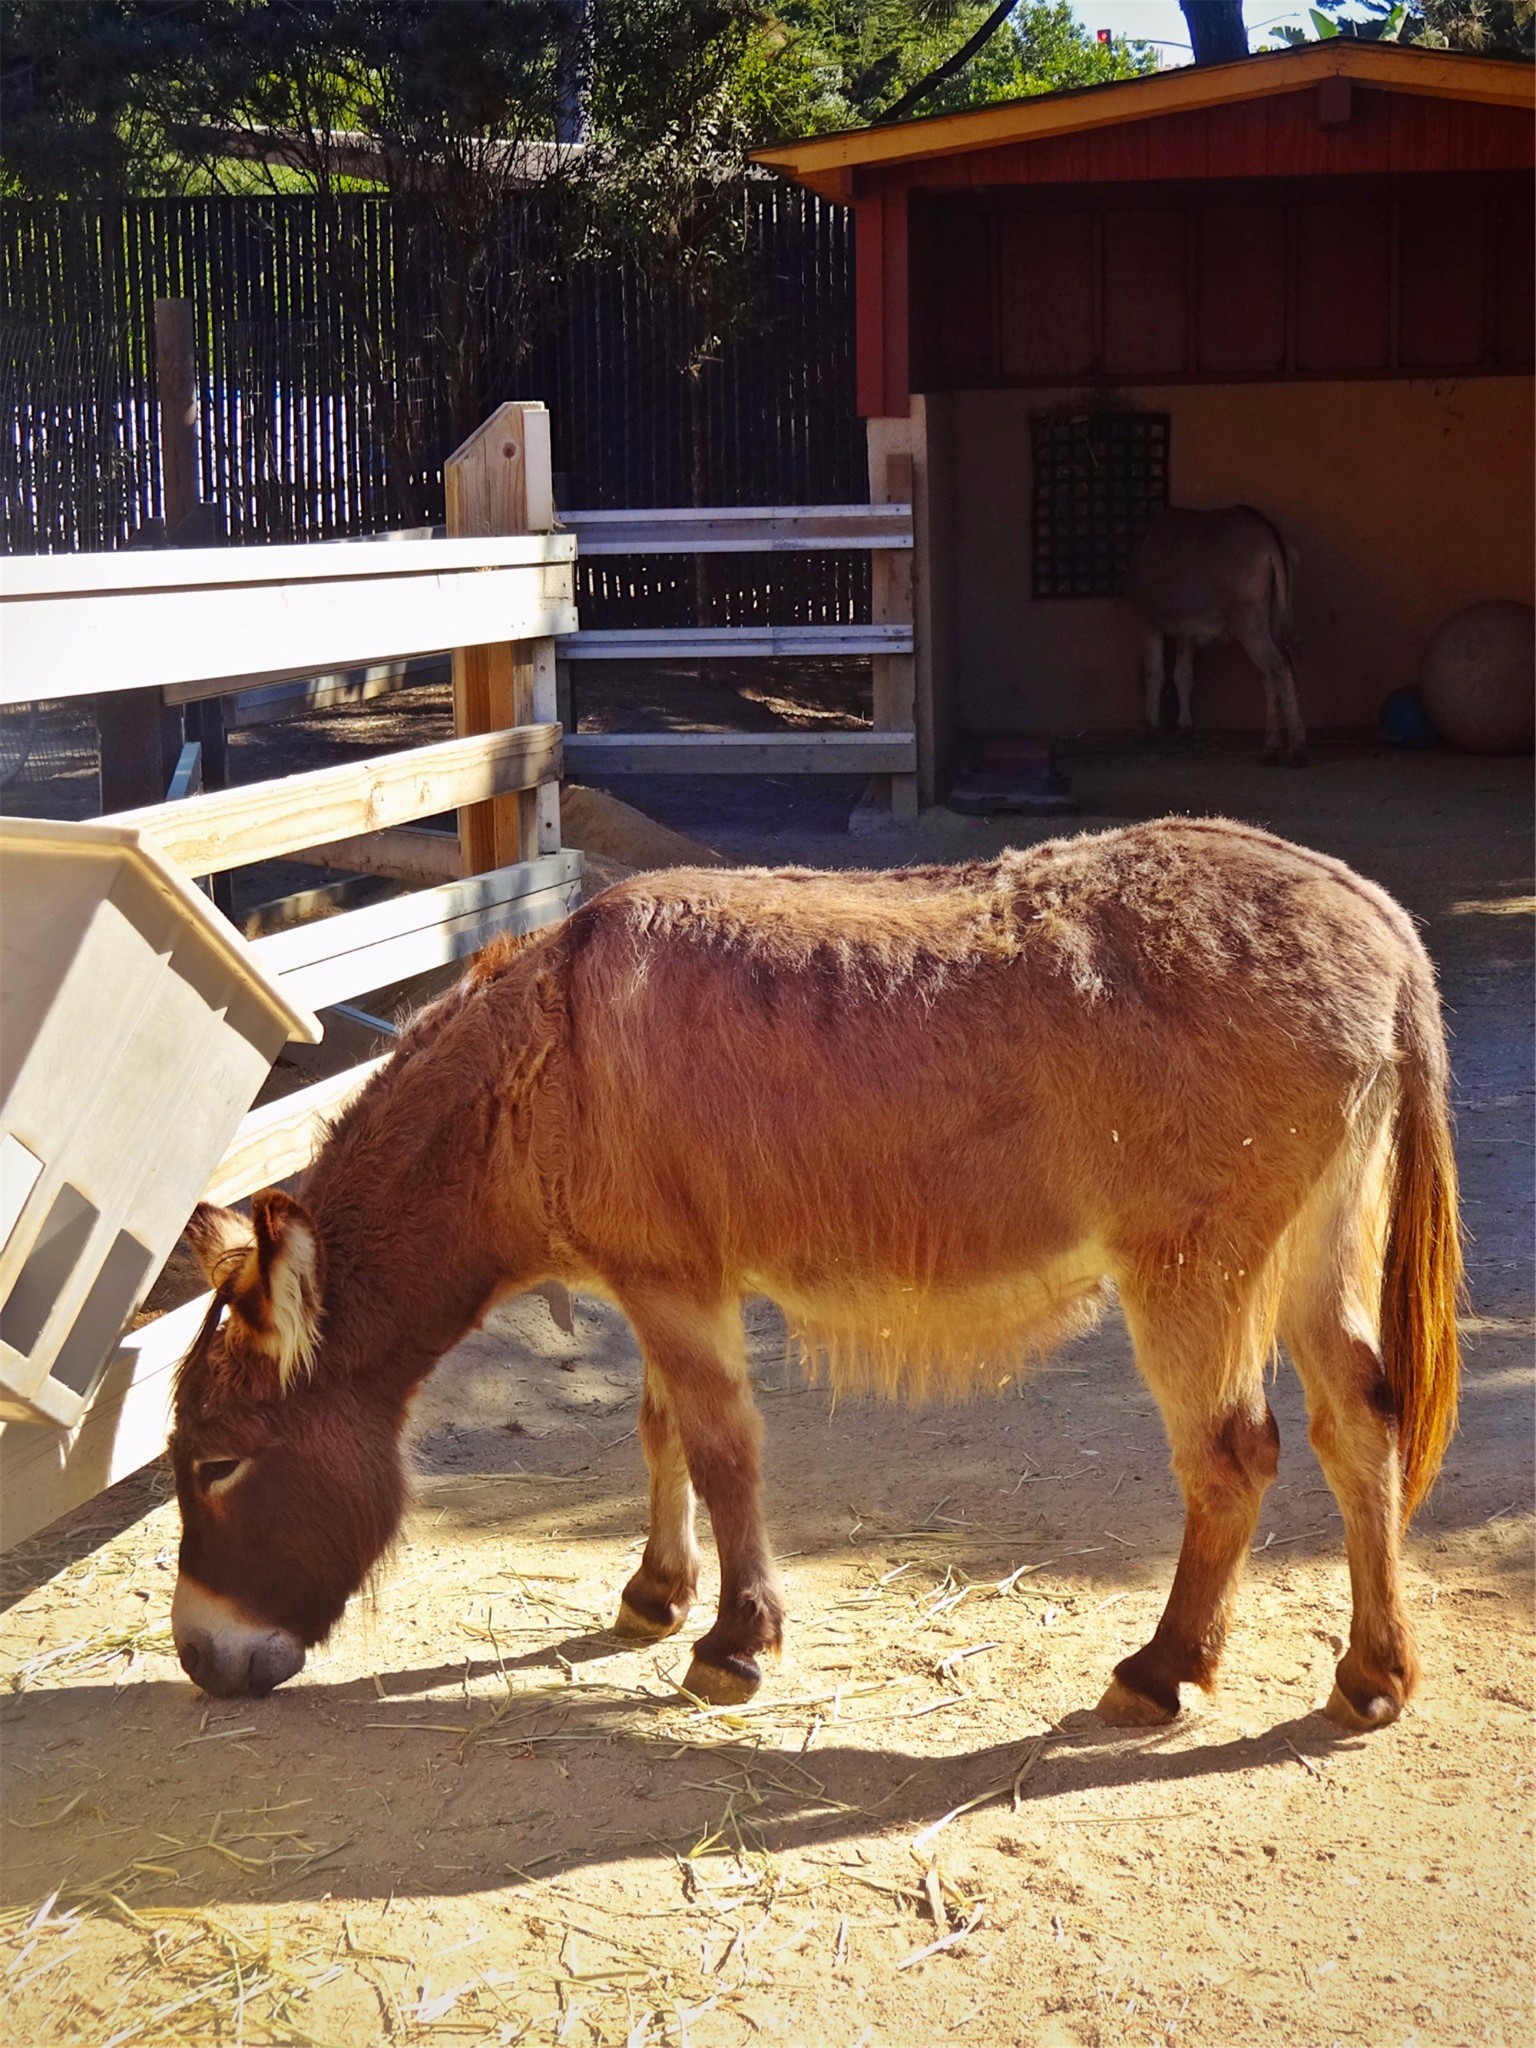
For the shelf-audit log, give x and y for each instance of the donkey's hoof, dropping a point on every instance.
(729, 1683)
(1296, 757)
(1122, 1708)
(1378, 1710)
(648, 1621)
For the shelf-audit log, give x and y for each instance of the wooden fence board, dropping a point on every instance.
(746, 529)
(280, 1137)
(343, 956)
(733, 643)
(741, 753)
(206, 835)
(228, 624)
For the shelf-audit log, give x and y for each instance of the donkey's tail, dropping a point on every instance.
(1422, 1276)
(1280, 568)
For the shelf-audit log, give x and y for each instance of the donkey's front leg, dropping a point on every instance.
(1153, 659)
(1184, 684)
(696, 1353)
(656, 1601)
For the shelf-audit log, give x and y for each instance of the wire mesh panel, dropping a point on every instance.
(50, 758)
(1100, 478)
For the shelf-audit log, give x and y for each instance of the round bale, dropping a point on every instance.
(1478, 678)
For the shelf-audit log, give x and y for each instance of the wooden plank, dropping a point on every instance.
(44, 1472)
(1241, 289)
(176, 393)
(732, 643)
(1344, 284)
(1046, 295)
(1146, 298)
(870, 285)
(281, 1137)
(265, 820)
(500, 481)
(335, 957)
(739, 753)
(403, 853)
(161, 570)
(751, 529)
(303, 696)
(140, 734)
(893, 676)
(213, 634)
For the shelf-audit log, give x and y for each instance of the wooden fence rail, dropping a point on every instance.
(882, 528)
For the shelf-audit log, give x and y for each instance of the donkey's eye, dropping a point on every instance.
(214, 1472)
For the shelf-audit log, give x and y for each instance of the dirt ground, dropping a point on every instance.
(477, 1817)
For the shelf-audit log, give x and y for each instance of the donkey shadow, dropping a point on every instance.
(585, 1773)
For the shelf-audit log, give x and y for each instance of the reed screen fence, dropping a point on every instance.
(322, 397)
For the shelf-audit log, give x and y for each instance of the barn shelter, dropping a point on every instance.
(1302, 281)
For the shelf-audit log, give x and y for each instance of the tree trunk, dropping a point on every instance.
(1216, 30)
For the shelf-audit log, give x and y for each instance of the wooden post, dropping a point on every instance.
(180, 505)
(500, 482)
(176, 389)
(141, 737)
(890, 572)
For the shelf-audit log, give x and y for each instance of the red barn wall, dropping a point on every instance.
(1352, 147)
(1397, 277)
(1404, 499)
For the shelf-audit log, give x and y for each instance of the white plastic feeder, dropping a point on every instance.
(135, 1031)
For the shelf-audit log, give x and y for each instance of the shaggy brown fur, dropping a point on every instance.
(932, 1114)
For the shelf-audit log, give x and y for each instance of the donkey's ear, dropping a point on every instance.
(220, 1240)
(273, 1268)
(279, 1302)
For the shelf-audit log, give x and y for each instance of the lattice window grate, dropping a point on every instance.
(1099, 480)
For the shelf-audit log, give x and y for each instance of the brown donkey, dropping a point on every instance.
(931, 1114)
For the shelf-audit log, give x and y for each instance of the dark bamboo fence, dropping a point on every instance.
(323, 392)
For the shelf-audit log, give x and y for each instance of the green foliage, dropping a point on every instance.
(134, 96)
(458, 107)
(1483, 28)
(845, 63)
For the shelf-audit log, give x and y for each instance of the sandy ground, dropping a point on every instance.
(476, 1817)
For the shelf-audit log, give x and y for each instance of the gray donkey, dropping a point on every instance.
(1198, 577)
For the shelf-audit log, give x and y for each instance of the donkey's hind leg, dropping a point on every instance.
(1329, 1326)
(1153, 667)
(1285, 737)
(1201, 1362)
(656, 1601)
(697, 1356)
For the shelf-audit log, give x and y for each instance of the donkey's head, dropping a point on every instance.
(291, 1484)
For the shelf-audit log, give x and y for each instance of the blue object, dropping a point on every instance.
(1403, 721)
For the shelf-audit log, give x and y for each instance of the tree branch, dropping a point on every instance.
(950, 66)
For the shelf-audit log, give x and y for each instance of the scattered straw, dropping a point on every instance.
(951, 1940)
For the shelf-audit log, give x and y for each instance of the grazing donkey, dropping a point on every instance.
(1203, 576)
(931, 1113)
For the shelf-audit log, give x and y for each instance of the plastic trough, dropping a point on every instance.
(136, 1029)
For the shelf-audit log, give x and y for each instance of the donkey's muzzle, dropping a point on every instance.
(233, 1672)
(225, 1654)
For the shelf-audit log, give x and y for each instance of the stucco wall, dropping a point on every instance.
(1403, 500)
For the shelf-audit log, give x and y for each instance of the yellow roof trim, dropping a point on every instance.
(1492, 81)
